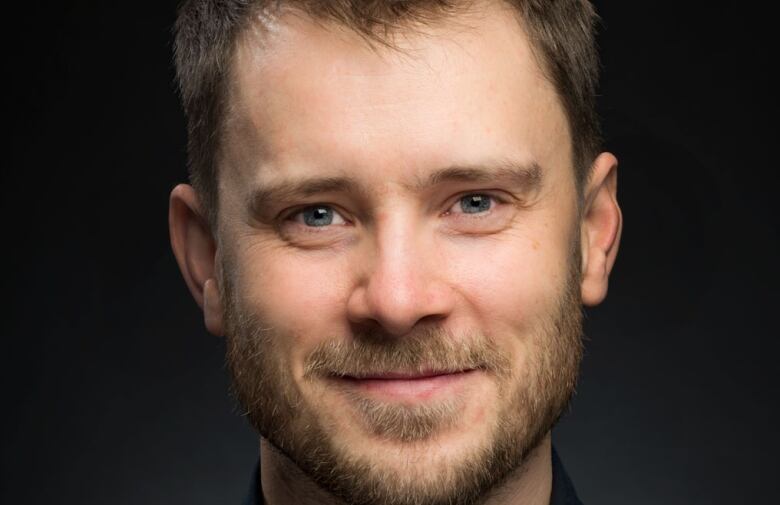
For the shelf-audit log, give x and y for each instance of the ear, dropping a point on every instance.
(195, 250)
(602, 223)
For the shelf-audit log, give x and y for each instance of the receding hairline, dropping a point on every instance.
(376, 30)
(422, 21)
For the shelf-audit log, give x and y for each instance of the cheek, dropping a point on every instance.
(508, 282)
(299, 297)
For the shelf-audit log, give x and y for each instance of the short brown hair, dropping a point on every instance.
(561, 34)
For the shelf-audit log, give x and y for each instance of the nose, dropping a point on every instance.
(403, 281)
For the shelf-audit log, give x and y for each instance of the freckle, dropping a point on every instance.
(535, 245)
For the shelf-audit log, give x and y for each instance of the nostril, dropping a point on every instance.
(398, 296)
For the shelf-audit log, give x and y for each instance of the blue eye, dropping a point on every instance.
(318, 216)
(475, 203)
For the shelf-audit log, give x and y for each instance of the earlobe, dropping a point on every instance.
(195, 250)
(212, 308)
(602, 224)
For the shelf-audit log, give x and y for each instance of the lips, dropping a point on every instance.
(394, 386)
(402, 375)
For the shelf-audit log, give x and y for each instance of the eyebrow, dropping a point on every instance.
(525, 177)
(296, 189)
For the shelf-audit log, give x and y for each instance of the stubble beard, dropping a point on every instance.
(532, 401)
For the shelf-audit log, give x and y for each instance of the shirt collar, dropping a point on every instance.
(563, 492)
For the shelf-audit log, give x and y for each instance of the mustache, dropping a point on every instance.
(426, 350)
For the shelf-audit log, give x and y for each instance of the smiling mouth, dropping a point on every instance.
(404, 386)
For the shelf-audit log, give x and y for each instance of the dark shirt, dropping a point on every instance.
(562, 489)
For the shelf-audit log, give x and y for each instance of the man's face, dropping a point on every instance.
(399, 254)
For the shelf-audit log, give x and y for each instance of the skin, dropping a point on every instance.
(313, 100)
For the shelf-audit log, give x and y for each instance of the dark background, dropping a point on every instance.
(115, 394)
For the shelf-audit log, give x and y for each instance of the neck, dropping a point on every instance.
(283, 483)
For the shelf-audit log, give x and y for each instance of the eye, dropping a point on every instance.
(479, 213)
(318, 216)
(475, 203)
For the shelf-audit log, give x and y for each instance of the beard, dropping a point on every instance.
(529, 400)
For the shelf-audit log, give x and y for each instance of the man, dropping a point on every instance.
(397, 211)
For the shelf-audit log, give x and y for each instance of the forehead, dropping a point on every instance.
(310, 95)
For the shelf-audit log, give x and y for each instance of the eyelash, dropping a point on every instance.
(292, 217)
(477, 215)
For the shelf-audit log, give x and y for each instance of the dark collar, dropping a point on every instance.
(563, 492)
